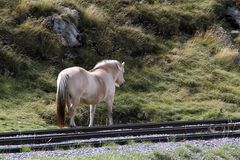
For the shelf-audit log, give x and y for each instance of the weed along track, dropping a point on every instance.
(121, 134)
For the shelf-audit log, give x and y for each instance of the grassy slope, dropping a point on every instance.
(172, 73)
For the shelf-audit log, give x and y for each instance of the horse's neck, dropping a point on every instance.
(113, 73)
(107, 70)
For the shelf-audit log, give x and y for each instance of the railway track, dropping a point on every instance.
(155, 132)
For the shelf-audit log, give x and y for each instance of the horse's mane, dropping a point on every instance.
(104, 62)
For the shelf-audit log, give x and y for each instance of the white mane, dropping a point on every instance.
(101, 63)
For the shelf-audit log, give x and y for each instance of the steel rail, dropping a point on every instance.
(117, 133)
(175, 138)
(116, 127)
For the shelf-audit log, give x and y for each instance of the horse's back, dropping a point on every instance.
(77, 78)
(71, 71)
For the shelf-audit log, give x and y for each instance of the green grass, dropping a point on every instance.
(30, 31)
(24, 8)
(187, 16)
(11, 63)
(25, 149)
(226, 152)
(177, 65)
(24, 108)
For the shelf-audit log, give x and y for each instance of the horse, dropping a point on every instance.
(75, 86)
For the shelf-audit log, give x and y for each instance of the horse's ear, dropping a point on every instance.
(118, 66)
(123, 63)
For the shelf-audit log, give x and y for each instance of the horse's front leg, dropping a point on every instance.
(109, 105)
(92, 114)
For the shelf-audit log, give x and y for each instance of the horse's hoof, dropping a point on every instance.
(72, 126)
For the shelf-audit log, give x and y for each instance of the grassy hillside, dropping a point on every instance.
(180, 63)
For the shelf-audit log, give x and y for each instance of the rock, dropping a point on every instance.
(223, 34)
(234, 13)
(235, 33)
(66, 31)
(72, 12)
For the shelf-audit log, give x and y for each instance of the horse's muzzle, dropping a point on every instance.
(122, 84)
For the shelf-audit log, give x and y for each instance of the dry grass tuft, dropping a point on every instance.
(96, 14)
(228, 56)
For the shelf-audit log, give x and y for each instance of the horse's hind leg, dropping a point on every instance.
(72, 115)
(72, 111)
(109, 105)
(92, 113)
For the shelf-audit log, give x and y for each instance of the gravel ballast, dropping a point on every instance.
(135, 148)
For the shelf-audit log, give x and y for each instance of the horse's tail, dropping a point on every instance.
(61, 99)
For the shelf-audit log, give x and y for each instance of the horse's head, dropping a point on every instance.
(120, 79)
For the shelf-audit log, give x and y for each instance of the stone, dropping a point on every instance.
(66, 31)
(72, 12)
(234, 13)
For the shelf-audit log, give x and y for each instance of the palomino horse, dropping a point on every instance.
(76, 85)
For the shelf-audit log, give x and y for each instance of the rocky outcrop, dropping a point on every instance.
(72, 12)
(223, 34)
(66, 31)
(234, 13)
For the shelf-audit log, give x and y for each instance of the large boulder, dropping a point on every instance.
(66, 31)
